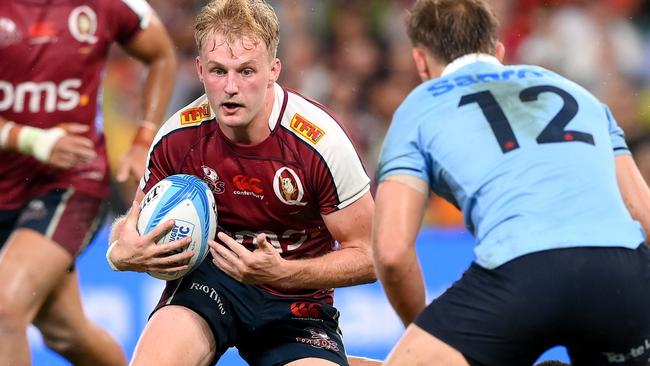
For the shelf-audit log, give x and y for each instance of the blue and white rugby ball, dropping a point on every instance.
(188, 201)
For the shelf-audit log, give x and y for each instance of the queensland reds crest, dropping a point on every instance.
(288, 187)
(82, 23)
(9, 33)
(211, 177)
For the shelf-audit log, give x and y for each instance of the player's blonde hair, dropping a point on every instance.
(449, 29)
(235, 19)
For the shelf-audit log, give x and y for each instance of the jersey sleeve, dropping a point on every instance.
(344, 169)
(159, 165)
(616, 134)
(401, 151)
(127, 18)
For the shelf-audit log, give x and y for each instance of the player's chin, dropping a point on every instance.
(231, 120)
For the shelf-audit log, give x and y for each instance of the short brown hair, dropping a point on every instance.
(449, 29)
(236, 19)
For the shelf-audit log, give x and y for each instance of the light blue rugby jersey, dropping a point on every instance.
(526, 154)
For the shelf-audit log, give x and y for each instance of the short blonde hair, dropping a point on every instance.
(236, 19)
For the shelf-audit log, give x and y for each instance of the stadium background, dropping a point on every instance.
(354, 56)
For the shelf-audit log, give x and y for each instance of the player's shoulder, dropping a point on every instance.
(188, 118)
(310, 120)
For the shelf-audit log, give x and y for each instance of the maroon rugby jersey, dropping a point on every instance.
(281, 186)
(53, 54)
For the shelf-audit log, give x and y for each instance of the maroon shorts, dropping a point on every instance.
(64, 216)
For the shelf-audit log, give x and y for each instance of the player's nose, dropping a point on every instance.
(231, 84)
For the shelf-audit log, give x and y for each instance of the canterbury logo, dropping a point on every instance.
(195, 115)
(307, 129)
(306, 309)
(247, 184)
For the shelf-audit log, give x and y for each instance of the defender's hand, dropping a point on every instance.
(264, 265)
(133, 252)
(133, 163)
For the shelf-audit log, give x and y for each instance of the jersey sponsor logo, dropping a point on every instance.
(291, 239)
(82, 23)
(247, 186)
(211, 177)
(306, 129)
(9, 33)
(42, 32)
(319, 339)
(45, 95)
(306, 309)
(195, 115)
(446, 85)
(288, 187)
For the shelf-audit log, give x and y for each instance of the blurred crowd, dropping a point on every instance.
(354, 56)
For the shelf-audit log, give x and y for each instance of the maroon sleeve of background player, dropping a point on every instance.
(124, 22)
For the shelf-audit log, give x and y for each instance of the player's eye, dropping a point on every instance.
(247, 72)
(219, 72)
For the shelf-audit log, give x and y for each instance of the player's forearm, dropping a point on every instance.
(159, 86)
(157, 92)
(402, 281)
(28, 140)
(341, 268)
(635, 191)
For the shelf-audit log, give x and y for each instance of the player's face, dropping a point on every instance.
(238, 78)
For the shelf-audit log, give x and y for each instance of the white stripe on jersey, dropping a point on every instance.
(334, 147)
(142, 9)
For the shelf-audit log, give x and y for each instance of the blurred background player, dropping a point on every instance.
(54, 172)
(294, 209)
(548, 188)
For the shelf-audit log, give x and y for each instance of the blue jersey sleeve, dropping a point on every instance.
(401, 152)
(616, 134)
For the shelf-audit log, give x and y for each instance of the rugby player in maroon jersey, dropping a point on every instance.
(53, 171)
(294, 210)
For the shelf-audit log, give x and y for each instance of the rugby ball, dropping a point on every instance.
(188, 201)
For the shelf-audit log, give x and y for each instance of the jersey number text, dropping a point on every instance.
(553, 132)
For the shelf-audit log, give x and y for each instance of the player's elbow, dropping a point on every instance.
(387, 259)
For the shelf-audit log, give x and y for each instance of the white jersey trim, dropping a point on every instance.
(324, 134)
(469, 59)
(142, 9)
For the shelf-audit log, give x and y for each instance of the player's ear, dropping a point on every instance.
(276, 67)
(199, 68)
(500, 51)
(421, 65)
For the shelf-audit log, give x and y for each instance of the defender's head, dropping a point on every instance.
(444, 30)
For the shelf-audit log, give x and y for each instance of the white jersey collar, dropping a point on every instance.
(277, 105)
(469, 59)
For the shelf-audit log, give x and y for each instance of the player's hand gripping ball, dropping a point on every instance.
(188, 201)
